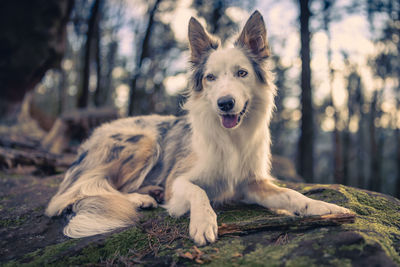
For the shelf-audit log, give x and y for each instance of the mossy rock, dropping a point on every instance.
(159, 240)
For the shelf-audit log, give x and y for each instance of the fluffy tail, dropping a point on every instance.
(100, 214)
(77, 186)
(96, 206)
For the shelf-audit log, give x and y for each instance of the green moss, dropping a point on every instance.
(329, 251)
(7, 176)
(39, 209)
(273, 255)
(242, 213)
(316, 246)
(307, 188)
(6, 197)
(286, 254)
(134, 241)
(300, 262)
(359, 247)
(225, 252)
(340, 262)
(378, 219)
(13, 222)
(118, 244)
(325, 193)
(44, 257)
(58, 255)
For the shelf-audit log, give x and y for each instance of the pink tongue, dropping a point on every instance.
(229, 121)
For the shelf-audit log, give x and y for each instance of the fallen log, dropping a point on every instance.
(45, 162)
(285, 223)
(76, 125)
(17, 143)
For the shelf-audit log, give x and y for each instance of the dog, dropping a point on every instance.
(219, 152)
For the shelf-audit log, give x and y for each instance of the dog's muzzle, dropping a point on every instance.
(231, 120)
(226, 103)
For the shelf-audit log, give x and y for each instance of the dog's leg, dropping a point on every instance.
(203, 220)
(265, 193)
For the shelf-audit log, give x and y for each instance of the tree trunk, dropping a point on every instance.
(62, 103)
(306, 145)
(397, 132)
(83, 97)
(346, 156)
(358, 105)
(99, 86)
(102, 95)
(338, 161)
(32, 41)
(354, 95)
(103, 92)
(143, 53)
(336, 143)
(338, 153)
(397, 193)
(375, 178)
(360, 148)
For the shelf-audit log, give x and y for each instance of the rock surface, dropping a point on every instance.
(27, 237)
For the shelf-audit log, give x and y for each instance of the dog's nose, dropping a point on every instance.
(226, 103)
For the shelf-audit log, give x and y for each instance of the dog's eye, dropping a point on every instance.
(241, 73)
(210, 77)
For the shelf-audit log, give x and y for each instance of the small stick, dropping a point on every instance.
(284, 223)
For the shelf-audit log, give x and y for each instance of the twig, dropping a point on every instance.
(283, 223)
(26, 144)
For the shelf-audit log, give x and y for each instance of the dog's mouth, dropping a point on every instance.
(232, 120)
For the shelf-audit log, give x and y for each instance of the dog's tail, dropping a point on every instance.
(100, 214)
(94, 206)
(76, 186)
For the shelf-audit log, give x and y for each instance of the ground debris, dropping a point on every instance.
(195, 254)
(38, 161)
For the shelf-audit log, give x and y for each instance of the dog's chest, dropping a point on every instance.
(223, 174)
(219, 190)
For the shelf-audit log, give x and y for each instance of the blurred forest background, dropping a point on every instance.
(336, 65)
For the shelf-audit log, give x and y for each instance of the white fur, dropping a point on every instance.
(233, 155)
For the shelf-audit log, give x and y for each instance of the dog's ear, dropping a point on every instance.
(200, 41)
(254, 36)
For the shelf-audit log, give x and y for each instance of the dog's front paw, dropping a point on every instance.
(317, 207)
(203, 226)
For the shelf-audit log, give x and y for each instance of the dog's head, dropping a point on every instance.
(228, 78)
